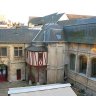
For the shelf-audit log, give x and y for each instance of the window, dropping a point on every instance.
(72, 61)
(58, 36)
(26, 54)
(18, 51)
(18, 74)
(40, 58)
(3, 51)
(40, 55)
(93, 68)
(83, 64)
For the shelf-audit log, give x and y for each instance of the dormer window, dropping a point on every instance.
(58, 36)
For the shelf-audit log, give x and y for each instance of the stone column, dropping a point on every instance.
(88, 70)
(77, 64)
(9, 71)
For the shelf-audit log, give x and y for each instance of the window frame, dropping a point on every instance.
(2, 52)
(71, 62)
(81, 64)
(18, 51)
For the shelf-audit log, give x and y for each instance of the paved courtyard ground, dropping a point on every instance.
(5, 85)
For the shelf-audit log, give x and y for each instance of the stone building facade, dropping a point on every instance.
(13, 60)
(83, 74)
(71, 53)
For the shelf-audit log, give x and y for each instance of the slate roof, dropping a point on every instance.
(19, 35)
(50, 33)
(37, 48)
(82, 31)
(52, 18)
(77, 21)
(42, 20)
(78, 31)
(36, 21)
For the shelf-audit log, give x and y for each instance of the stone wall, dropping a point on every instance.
(14, 63)
(84, 81)
(56, 61)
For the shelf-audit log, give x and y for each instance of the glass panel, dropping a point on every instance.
(20, 52)
(15, 48)
(58, 36)
(72, 62)
(4, 51)
(83, 64)
(15, 52)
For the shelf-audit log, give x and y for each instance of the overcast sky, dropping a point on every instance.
(20, 10)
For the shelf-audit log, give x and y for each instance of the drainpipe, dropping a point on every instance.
(25, 60)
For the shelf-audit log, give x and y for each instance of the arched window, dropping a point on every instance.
(72, 61)
(93, 68)
(83, 64)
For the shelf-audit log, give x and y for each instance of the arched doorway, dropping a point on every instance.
(3, 72)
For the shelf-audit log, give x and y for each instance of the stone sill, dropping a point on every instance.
(81, 74)
(93, 79)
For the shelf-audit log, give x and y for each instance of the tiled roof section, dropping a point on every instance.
(78, 30)
(67, 22)
(37, 48)
(75, 16)
(42, 20)
(50, 33)
(54, 35)
(36, 21)
(77, 21)
(82, 33)
(52, 18)
(32, 17)
(19, 35)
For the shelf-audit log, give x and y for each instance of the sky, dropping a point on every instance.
(20, 10)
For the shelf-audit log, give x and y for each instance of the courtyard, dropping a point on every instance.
(5, 85)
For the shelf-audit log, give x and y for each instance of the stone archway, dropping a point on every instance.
(3, 72)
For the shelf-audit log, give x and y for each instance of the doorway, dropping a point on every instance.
(18, 74)
(3, 73)
(65, 72)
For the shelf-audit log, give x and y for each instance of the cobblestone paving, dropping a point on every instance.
(5, 85)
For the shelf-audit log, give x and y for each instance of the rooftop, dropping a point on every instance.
(75, 30)
(77, 16)
(37, 88)
(19, 35)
